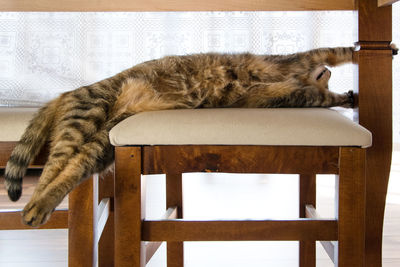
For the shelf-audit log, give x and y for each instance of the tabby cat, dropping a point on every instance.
(77, 123)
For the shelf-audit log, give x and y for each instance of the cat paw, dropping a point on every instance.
(395, 49)
(348, 101)
(36, 213)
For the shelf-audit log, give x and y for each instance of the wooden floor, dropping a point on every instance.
(219, 195)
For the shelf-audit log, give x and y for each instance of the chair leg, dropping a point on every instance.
(378, 170)
(307, 191)
(129, 211)
(174, 199)
(380, 124)
(375, 71)
(106, 242)
(351, 210)
(80, 225)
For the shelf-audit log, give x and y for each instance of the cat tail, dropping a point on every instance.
(28, 147)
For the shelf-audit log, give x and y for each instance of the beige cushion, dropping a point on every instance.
(13, 122)
(302, 127)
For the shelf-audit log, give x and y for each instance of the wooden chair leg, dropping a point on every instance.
(106, 242)
(129, 203)
(80, 225)
(307, 191)
(375, 71)
(379, 155)
(351, 208)
(174, 199)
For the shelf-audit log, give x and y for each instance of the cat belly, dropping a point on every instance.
(137, 96)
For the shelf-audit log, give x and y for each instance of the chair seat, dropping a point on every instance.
(283, 126)
(14, 122)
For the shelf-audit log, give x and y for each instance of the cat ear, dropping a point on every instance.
(321, 75)
(318, 73)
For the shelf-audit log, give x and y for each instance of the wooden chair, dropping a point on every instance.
(374, 82)
(302, 141)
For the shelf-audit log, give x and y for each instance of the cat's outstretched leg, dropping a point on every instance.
(71, 133)
(291, 94)
(58, 158)
(329, 56)
(90, 158)
(309, 97)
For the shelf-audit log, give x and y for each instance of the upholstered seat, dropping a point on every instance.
(302, 141)
(289, 127)
(14, 122)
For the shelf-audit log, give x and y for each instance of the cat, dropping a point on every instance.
(77, 123)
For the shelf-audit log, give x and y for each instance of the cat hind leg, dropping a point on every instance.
(88, 160)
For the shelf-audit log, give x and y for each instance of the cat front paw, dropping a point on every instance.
(36, 213)
(395, 49)
(348, 100)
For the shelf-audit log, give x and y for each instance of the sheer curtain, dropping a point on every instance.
(44, 54)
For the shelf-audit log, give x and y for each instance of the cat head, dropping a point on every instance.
(320, 76)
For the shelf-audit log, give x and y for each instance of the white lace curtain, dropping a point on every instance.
(44, 54)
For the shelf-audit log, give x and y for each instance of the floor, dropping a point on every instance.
(222, 196)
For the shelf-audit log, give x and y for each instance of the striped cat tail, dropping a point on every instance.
(30, 144)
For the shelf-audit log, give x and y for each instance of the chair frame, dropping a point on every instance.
(131, 229)
(374, 82)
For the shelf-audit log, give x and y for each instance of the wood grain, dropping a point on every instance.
(374, 24)
(251, 230)
(80, 225)
(375, 83)
(307, 196)
(7, 147)
(329, 247)
(12, 221)
(174, 192)
(173, 5)
(105, 185)
(129, 211)
(235, 159)
(106, 244)
(386, 2)
(351, 208)
(152, 247)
